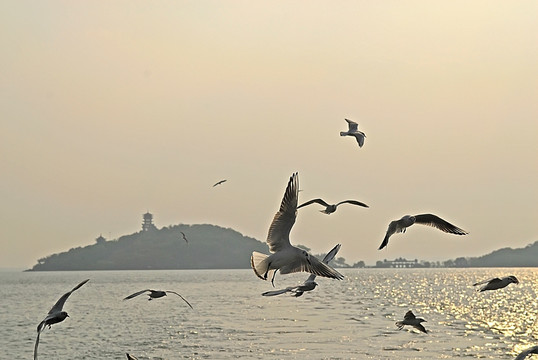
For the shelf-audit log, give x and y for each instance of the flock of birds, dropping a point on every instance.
(286, 258)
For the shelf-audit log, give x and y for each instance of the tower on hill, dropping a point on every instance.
(147, 224)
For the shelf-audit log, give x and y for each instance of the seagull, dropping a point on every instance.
(329, 209)
(410, 319)
(309, 284)
(496, 283)
(287, 258)
(155, 294)
(184, 237)
(55, 315)
(522, 355)
(398, 226)
(130, 357)
(219, 182)
(354, 131)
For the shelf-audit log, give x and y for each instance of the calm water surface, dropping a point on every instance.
(349, 319)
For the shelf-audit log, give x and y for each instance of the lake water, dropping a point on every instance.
(349, 319)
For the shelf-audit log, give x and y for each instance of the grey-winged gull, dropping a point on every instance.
(353, 130)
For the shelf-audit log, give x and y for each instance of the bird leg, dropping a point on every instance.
(273, 279)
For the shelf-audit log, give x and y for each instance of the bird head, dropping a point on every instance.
(513, 279)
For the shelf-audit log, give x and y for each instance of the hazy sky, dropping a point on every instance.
(109, 109)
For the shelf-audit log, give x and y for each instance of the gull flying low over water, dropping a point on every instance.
(330, 208)
(354, 131)
(285, 257)
(496, 283)
(155, 294)
(401, 225)
(55, 315)
(412, 320)
(184, 237)
(522, 355)
(219, 182)
(309, 284)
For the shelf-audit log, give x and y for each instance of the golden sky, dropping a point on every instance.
(111, 109)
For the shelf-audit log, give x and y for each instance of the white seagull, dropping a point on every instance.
(354, 131)
(287, 258)
(398, 226)
(309, 284)
(522, 355)
(412, 320)
(330, 208)
(155, 294)
(55, 315)
(496, 283)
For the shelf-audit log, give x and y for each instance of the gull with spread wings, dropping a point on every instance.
(155, 294)
(412, 320)
(285, 257)
(330, 208)
(496, 283)
(55, 315)
(309, 284)
(522, 355)
(399, 226)
(353, 130)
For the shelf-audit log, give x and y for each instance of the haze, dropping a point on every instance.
(112, 109)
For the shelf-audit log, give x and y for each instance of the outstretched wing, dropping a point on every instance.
(420, 327)
(136, 294)
(173, 292)
(493, 281)
(279, 231)
(354, 202)
(409, 315)
(60, 303)
(522, 355)
(353, 126)
(437, 222)
(331, 254)
(360, 138)
(318, 201)
(36, 344)
(393, 228)
(278, 292)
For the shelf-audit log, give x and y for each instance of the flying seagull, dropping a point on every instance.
(309, 284)
(155, 294)
(496, 283)
(522, 355)
(398, 226)
(354, 131)
(287, 258)
(330, 208)
(130, 357)
(219, 182)
(411, 319)
(184, 237)
(55, 315)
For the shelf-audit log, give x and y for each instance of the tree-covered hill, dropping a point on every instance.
(508, 257)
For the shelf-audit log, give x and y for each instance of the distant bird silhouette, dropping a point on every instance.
(55, 315)
(329, 209)
(522, 355)
(354, 131)
(184, 237)
(219, 182)
(287, 258)
(155, 294)
(496, 283)
(401, 225)
(410, 319)
(130, 357)
(309, 284)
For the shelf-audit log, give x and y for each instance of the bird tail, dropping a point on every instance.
(258, 262)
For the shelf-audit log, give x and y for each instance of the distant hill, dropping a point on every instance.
(208, 247)
(508, 257)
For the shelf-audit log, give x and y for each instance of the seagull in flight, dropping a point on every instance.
(330, 208)
(55, 315)
(354, 131)
(286, 257)
(184, 237)
(496, 283)
(309, 284)
(522, 355)
(130, 357)
(219, 182)
(155, 294)
(412, 320)
(399, 226)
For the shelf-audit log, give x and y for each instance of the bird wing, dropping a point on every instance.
(493, 281)
(130, 357)
(409, 315)
(354, 202)
(173, 292)
(353, 126)
(437, 222)
(331, 254)
(36, 344)
(360, 138)
(184, 237)
(136, 294)
(319, 201)
(219, 182)
(420, 327)
(279, 231)
(278, 292)
(314, 266)
(522, 355)
(60, 303)
(393, 228)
